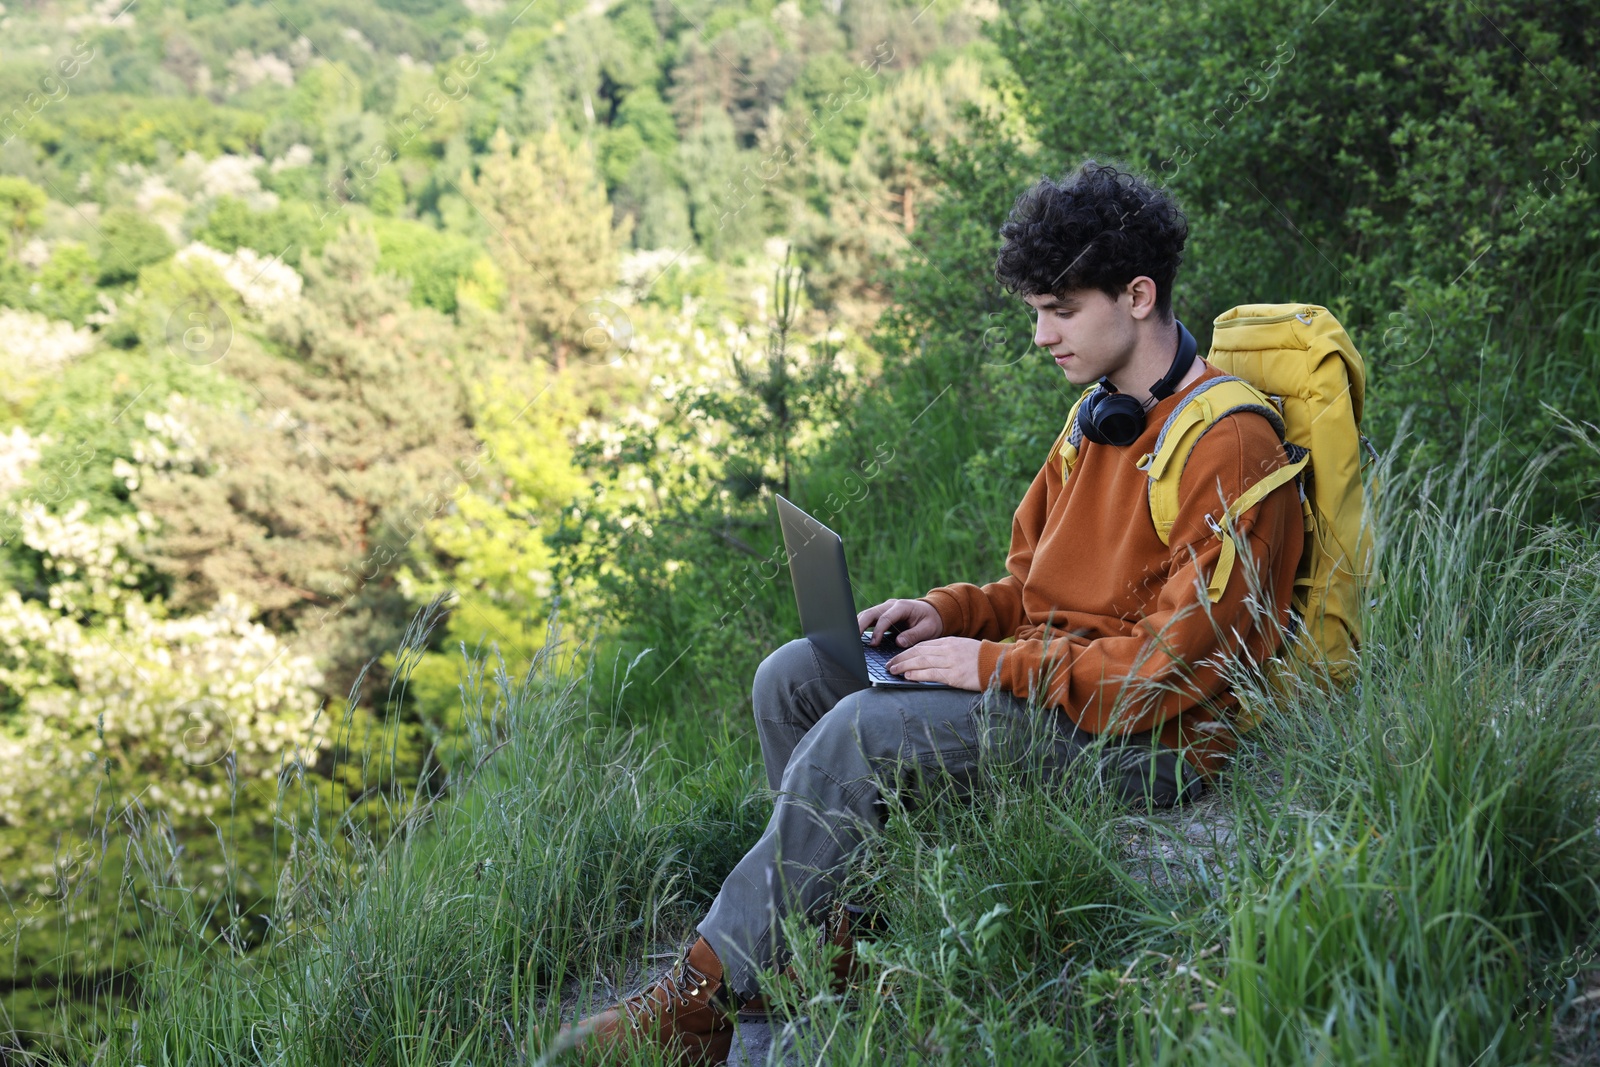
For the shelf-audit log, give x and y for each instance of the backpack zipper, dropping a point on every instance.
(1258, 320)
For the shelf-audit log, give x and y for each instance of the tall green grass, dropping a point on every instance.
(1398, 874)
(554, 857)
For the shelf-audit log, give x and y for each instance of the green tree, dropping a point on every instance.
(654, 198)
(62, 288)
(668, 536)
(857, 218)
(776, 398)
(829, 104)
(435, 263)
(22, 206)
(620, 149)
(741, 73)
(289, 231)
(492, 550)
(645, 111)
(303, 499)
(728, 196)
(129, 241)
(385, 194)
(66, 283)
(551, 234)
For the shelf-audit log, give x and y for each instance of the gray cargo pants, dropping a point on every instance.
(831, 746)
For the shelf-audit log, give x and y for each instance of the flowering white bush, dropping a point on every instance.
(231, 175)
(32, 343)
(182, 694)
(178, 705)
(159, 202)
(19, 450)
(249, 70)
(262, 281)
(175, 446)
(226, 175)
(102, 13)
(34, 254)
(296, 155)
(93, 572)
(641, 268)
(153, 191)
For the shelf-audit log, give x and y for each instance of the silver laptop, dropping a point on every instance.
(827, 610)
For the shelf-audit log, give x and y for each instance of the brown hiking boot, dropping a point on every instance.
(847, 920)
(687, 1012)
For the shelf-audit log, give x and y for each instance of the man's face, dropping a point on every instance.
(1087, 332)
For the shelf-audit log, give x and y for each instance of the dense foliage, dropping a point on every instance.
(311, 315)
(1425, 173)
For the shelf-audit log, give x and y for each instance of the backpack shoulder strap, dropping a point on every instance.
(1070, 437)
(1207, 404)
(1246, 500)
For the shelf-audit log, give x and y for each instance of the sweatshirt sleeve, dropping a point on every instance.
(994, 612)
(1178, 655)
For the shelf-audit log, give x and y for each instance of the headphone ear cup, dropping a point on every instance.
(1111, 418)
(1088, 417)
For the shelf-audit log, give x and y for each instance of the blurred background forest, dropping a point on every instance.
(314, 313)
(311, 313)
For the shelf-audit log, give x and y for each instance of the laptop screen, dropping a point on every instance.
(822, 588)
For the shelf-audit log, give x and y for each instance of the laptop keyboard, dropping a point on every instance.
(876, 660)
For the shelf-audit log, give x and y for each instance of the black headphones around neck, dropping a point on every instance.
(1108, 417)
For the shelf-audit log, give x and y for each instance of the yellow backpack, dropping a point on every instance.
(1295, 365)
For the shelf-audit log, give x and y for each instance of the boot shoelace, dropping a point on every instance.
(676, 987)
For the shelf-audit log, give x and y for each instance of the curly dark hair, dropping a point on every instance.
(1097, 228)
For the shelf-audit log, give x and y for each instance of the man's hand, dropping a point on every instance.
(951, 660)
(918, 620)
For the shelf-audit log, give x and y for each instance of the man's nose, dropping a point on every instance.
(1044, 335)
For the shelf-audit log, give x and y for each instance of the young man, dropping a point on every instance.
(1098, 629)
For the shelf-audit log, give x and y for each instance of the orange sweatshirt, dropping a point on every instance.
(1095, 601)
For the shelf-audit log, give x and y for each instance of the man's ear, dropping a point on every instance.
(1142, 297)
